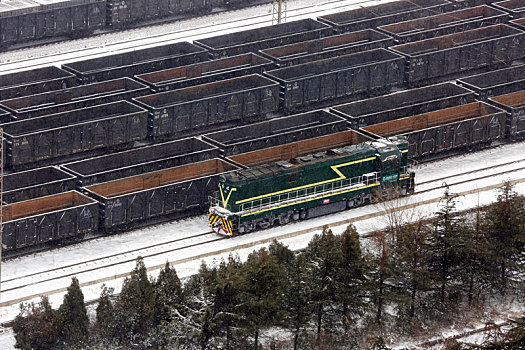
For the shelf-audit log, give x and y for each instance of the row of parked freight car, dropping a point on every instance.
(126, 102)
(26, 20)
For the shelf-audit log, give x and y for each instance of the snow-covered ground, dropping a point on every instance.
(187, 260)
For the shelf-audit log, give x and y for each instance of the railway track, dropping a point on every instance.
(181, 250)
(91, 47)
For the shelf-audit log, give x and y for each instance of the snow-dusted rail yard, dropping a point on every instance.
(475, 177)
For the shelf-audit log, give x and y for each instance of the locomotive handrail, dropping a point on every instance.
(362, 180)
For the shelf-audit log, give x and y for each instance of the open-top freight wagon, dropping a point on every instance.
(212, 106)
(494, 83)
(403, 104)
(136, 62)
(514, 104)
(470, 126)
(77, 97)
(55, 137)
(437, 59)
(34, 81)
(378, 15)
(275, 132)
(325, 81)
(141, 160)
(36, 183)
(206, 72)
(56, 218)
(327, 47)
(169, 193)
(445, 23)
(254, 40)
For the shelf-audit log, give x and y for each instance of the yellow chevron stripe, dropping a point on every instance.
(225, 201)
(335, 168)
(309, 200)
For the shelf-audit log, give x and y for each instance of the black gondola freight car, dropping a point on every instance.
(201, 108)
(36, 183)
(74, 98)
(254, 40)
(141, 160)
(55, 218)
(445, 23)
(469, 126)
(56, 136)
(519, 23)
(5, 116)
(168, 193)
(34, 81)
(498, 82)
(355, 75)
(206, 72)
(276, 132)
(327, 47)
(439, 58)
(378, 15)
(23, 20)
(136, 62)
(514, 104)
(403, 104)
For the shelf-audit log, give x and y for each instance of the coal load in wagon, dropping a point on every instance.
(498, 82)
(253, 40)
(460, 128)
(141, 160)
(74, 98)
(402, 104)
(276, 132)
(328, 47)
(438, 58)
(378, 15)
(445, 23)
(157, 196)
(35, 183)
(325, 81)
(206, 72)
(34, 81)
(212, 106)
(136, 62)
(54, 137)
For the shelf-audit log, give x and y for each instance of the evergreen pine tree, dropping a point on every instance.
(74, 328)
(447, 246)
(324, 257)
(298, 298)
(168, 293)
(135, 306)
(505, 227)
(103, 328)
(36, 326)
(262, 292)
(351, 273)
(381, 270)
(411, 259)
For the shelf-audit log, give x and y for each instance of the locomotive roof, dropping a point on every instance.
(382, 148)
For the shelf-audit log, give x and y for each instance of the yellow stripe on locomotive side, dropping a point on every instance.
(309, 200)
(335, 168)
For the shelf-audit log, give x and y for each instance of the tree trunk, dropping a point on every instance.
(380, 299)
(319, 319)
(256, 339)
(413, 300)
(296, 337)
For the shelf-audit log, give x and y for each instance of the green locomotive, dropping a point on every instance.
(309, 186)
